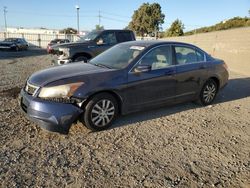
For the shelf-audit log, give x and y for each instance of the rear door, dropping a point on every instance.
(154, 87)
(191, 70)
(123, 36)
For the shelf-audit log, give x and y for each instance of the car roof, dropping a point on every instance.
(147, 43)
(115, 30)
(58, 39)
(13, 38)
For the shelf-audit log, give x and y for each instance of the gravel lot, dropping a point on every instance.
(180, 146)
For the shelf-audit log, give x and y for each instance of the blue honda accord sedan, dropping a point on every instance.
(129, 77)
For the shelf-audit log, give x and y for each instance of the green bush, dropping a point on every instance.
(229, 24)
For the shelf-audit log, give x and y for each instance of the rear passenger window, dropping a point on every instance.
(200, 56)
(124, 36)
(186, 55)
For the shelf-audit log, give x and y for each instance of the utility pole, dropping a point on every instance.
(77, 12)
(5, 20)
(99, 16)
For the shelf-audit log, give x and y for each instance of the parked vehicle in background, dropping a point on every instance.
(129, 77)
(91, 45)
(54, 42)
(15, 44)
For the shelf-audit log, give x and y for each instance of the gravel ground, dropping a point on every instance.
(180, 146)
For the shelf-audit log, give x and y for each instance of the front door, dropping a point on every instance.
(154, 87)
(105, 41)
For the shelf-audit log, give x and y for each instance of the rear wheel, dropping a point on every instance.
(208, 92)
(100, 112)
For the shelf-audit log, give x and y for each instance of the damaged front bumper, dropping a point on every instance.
(49, 115)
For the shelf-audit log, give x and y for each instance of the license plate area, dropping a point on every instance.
(24, 104)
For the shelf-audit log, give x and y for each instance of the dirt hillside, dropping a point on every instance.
(233, 46)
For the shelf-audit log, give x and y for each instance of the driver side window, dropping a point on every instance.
(108, 38)
(158, 58)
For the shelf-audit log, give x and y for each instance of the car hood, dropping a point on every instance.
(46, 76)
(71, 45)
(6, 43)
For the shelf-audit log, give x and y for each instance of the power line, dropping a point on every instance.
(114, 19)
(67, 15)
(99, 17)
(41, 14)
(112, 14)
(49, 15)
(109, 18)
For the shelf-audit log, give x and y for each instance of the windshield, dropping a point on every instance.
(90, 36)
(118, 57)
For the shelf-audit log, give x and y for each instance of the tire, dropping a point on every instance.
(81, 58)
(17, 49)
(208, 92)
(100, 112)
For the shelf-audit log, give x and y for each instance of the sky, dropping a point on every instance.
(115, 14)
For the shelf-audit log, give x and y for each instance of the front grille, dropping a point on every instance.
(58, 52)
(24, 107)
(30, 89)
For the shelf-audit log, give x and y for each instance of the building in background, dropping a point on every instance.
(32, 30)
(39, 37)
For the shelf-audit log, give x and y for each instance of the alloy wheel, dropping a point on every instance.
(102, 113)
(209, 92)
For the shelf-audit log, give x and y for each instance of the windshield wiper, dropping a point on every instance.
(102, 65)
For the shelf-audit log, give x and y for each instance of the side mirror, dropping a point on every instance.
(142, 68)
(100, 42)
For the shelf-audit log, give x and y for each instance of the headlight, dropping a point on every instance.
(12, 45)
(61, 91)
(65, 51)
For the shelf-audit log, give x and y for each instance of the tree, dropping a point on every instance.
(99, 27)
(176, 29)
(147, 19)
(68, 30)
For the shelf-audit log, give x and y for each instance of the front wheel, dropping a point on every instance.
(17, 48)
(100, 112)
(208, 92)
(81, 58)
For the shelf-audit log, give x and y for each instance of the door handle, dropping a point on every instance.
(169, 72)
(202, 67)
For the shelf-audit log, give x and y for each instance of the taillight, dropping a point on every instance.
(225, 66)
